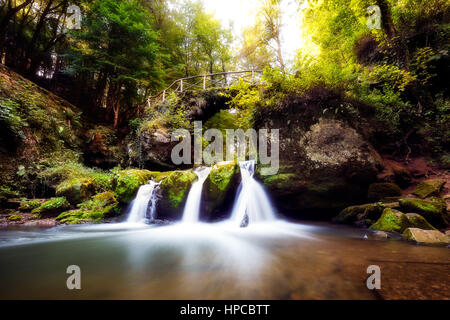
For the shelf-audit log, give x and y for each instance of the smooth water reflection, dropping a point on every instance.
(276, 260)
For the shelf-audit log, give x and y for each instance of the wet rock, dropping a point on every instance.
(432, 237)
(245, 222)
(355, 214)
(220, 189)
(392, 221)
(127, 183)
(379, 191)
(174, 189)
(432, 209)
(417, 221)
(329, 167)
(378, 235)
(429, 188)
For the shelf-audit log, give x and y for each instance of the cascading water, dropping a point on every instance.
(191, 212)
(144, 203)
(252, 204)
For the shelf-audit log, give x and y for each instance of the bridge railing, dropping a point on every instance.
(207, 81)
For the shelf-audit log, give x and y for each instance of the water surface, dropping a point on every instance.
(275, 260)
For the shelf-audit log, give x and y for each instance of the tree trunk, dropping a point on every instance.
(9, 14)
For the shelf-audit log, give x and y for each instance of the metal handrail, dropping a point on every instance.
(181, 88)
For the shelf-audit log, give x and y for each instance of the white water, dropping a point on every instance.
(252, 199)
(146, 197)
(191, 212)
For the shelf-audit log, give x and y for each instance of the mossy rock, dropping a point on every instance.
(98, 208)
(29, 205)
(52, 207)
(76, 190)
(219, 187)
(370, 212)
(432, 209)
(417, 221)
(127, 183)
(429, 188)
(379, 191)
(392, 221)
(431, 237)
(15, 218)
(174, 190)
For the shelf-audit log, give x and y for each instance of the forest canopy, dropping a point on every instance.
(127, 50)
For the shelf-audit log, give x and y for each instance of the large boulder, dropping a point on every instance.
(219, 190)
(433, 210)
(174, 189)
(153, 149)
(432, 237)
(429, 188)
(325, 167)
(392, 221)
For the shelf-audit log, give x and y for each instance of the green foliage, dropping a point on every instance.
(29, 205)
(244, 97)
(10, 122)
(391, 76)
(7, 193)
(99, 207)
(65, 176)
(52, 206)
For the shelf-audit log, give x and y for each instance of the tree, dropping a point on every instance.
(261, 45)
(118, 45)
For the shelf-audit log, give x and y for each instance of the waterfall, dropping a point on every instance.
(191, 212)
(252, 204)
(145, 202)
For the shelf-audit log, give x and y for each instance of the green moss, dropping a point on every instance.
(77, 190)
(417, 221)
(127, 183)
(221, 176)
(15, 217)
(176, 185)
(218, 185)
(279, 180)
(379, 191)
(392, 221)
(101, 206)
(52, 207)
(368, 212)
(29, 205)
(429, 188)
(432, 209)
